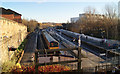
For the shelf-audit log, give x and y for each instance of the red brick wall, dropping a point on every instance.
(11, 16)
(16, 18)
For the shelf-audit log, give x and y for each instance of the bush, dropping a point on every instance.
(41, 69)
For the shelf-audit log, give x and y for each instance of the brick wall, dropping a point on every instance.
(11, 16)
(16, 18)
(11, 35)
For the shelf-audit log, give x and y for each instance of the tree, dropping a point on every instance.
(111, 21)
(119, 20)
(90, 10)
(97, 24)
(31, 24)
(87, 22)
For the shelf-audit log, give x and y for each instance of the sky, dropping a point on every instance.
(53, 11)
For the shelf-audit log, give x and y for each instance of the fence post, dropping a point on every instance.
(36, 61)
(79, 55)
(118, 59)
(79, 59)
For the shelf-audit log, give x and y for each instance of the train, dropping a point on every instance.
(111, 44)
(76, 35)
(70, 34)
(50, 41)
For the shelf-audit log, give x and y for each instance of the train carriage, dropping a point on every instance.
(70, 34)
(51, 42)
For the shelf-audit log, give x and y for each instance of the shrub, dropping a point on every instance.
(47, 68)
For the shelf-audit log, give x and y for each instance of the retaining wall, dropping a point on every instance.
(11, 35)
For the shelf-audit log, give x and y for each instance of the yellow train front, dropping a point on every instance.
(53, 45)
(50, 41)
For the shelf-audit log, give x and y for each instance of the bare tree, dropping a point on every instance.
(111, 20)
(87, 21)
(31, 24)
(90, 10)
(92, 23)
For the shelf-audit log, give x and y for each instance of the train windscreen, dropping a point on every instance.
(53, 44)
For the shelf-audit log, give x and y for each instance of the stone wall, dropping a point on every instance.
(11, 35)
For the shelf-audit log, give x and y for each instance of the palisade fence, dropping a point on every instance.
(74, 64)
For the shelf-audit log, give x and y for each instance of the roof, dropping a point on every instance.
(8, 11)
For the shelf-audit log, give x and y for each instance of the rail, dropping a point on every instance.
(101, 48)
(65, 43)
(90, 44)
(59, 62)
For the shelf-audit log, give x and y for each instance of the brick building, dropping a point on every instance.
(10, 14)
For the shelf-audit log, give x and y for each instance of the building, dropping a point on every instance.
(74, 19)
(10, 14)
(93, 17)
(86, 16)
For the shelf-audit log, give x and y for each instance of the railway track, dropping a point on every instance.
(41, 45)
(92, 48)
(66, 44)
